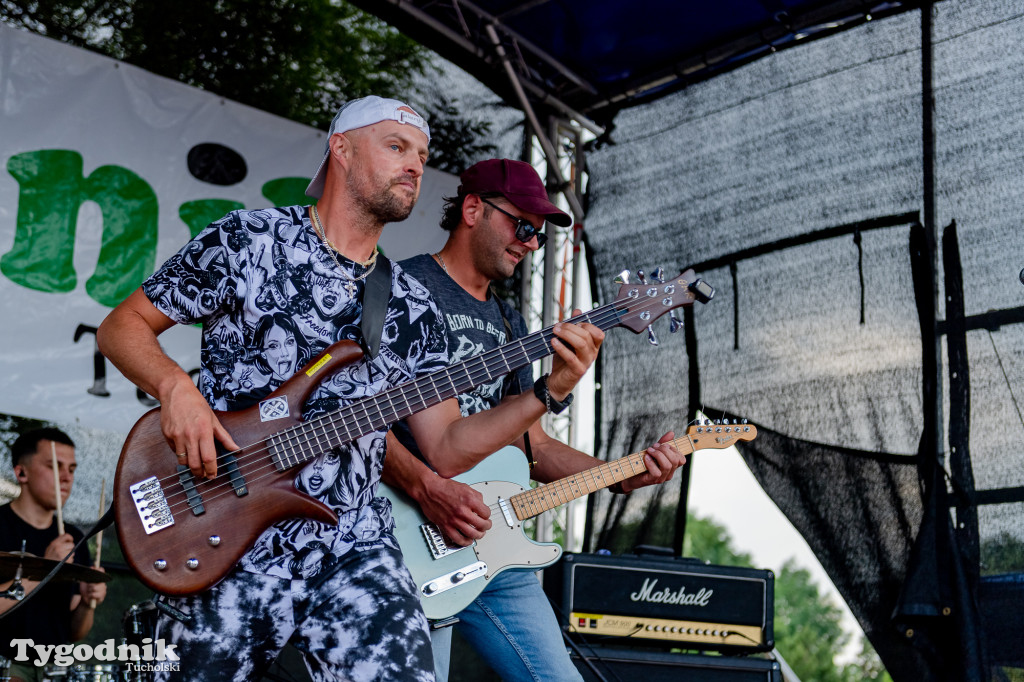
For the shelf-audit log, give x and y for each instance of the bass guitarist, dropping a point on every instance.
(494, 221)
(272, 289)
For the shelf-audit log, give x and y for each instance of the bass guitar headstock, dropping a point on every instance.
(641, 303)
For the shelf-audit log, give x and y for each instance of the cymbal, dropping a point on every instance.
(37, 568)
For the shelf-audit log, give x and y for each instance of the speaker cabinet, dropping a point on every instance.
(606, 664)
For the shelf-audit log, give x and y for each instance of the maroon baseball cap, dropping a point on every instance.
(518, 182)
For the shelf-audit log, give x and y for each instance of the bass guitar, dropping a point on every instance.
(182, 535)
(449, 576)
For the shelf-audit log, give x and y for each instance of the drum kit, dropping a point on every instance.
(137, 623)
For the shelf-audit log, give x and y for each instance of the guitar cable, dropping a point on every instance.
(587, 660)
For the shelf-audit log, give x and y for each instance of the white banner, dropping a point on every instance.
(110, 169)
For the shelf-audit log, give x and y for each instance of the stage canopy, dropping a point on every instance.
(591, 58)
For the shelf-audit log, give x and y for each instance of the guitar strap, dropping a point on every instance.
(514, 376)
(376, 294)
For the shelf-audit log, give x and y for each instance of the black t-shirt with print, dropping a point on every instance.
(473, 327)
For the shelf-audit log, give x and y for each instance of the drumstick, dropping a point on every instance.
(99, 534)
(56, 485)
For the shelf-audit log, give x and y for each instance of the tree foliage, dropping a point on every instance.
(1002, 553)
(295, 58)
(299, 59)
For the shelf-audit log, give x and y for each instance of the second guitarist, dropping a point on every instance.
(494, 221)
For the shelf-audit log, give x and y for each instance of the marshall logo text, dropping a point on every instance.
(647, 593)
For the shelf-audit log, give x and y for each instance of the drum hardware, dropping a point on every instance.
(25, 566)
(16, 591)
(95, 672)
(137, 624)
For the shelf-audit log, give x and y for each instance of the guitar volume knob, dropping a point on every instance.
(160, 564)
(192, 563)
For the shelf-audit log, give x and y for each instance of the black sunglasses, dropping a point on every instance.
(525, 231)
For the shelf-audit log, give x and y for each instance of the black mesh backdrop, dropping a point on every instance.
(793, 184)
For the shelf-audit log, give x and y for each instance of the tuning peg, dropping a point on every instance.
(658, 275)
(651, 337)
(676, 324)
(623, 277)
(640, 276)
(702, 291)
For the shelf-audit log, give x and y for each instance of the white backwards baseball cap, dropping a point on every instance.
(358, 113)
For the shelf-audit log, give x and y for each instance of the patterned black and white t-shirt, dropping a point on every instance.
(270, 297)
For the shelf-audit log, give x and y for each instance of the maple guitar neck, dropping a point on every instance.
(538, 500)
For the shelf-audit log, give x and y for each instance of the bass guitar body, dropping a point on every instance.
(181, 534)
(449, 577)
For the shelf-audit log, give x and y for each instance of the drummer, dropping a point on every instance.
(63, 611)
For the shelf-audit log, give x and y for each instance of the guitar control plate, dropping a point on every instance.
(151, 505)
(446, 582)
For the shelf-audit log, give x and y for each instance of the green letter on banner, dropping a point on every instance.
(201, 212)
(51, 190)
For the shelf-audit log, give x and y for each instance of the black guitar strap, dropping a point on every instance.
(376, 294)
(515, 377)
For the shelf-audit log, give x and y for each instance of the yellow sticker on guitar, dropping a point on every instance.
(319, 363)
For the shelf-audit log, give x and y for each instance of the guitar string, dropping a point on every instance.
(471, 368)
(560, 487)
(296, 434)
(245, 456)
(569, 483)
(213, 489)
(533, 497)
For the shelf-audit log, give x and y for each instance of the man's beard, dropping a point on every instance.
(383, 204)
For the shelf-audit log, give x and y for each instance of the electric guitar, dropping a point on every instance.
(449, 576)
(182, 535)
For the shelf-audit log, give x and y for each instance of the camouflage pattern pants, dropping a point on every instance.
(361, 622)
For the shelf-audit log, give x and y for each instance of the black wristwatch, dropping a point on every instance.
(540, 389)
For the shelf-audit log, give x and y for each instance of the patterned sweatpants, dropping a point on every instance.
(360, 623)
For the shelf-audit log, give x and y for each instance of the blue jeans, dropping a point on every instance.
(512, 627)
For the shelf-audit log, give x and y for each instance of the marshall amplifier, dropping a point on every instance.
(604, 664)
(663, 601)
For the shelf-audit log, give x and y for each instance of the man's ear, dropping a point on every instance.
(340, 146)
(19, 472)
(472, 209)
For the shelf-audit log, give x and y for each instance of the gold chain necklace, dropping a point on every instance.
(350, 285)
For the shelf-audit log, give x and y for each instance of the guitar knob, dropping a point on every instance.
(658, 275)
(675, 325)
(458, 577)
(623, 277)
(651, 337)
(640, 276)
(430, 588)
(192, 563)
